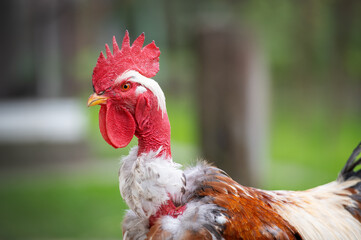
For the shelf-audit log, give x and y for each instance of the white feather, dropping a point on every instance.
(134, 227)
(319, 213)
(140, 90)
(147, 181)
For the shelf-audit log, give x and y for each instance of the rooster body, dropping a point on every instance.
(201, 202)
(208, 204)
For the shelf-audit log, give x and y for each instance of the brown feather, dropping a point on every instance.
(355, 210)
(250, 216)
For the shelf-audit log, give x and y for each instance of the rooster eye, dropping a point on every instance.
(125, 86)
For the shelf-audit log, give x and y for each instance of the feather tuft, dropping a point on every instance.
(348, 170)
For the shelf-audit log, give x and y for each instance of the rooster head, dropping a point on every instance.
(123, 87)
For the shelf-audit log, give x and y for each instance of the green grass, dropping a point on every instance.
(81, 205)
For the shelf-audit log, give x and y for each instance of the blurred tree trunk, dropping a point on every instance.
(346, 20)
(233, 94)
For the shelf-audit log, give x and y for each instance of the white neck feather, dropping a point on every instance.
(147, 181)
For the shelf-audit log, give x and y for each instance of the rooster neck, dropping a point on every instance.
(153, 133)
(154, 143)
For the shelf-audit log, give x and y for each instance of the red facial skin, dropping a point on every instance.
(127, 113)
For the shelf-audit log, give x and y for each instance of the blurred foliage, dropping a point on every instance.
(307, 42)
(310, 145)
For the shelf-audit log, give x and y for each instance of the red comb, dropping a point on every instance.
(144, 60)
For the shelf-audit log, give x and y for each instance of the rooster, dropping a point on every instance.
(201, 202)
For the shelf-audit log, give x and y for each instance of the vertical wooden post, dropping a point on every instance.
(233, 93)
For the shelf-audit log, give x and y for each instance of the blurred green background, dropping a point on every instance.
(59, 177)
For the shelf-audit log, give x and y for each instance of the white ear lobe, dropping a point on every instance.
(140, 90)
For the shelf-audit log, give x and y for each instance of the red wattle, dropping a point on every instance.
(102, 124)
(117, 125)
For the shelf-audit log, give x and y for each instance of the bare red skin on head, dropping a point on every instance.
(142, 117)
(123, 115)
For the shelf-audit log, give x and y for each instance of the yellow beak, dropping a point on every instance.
(95, 99)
